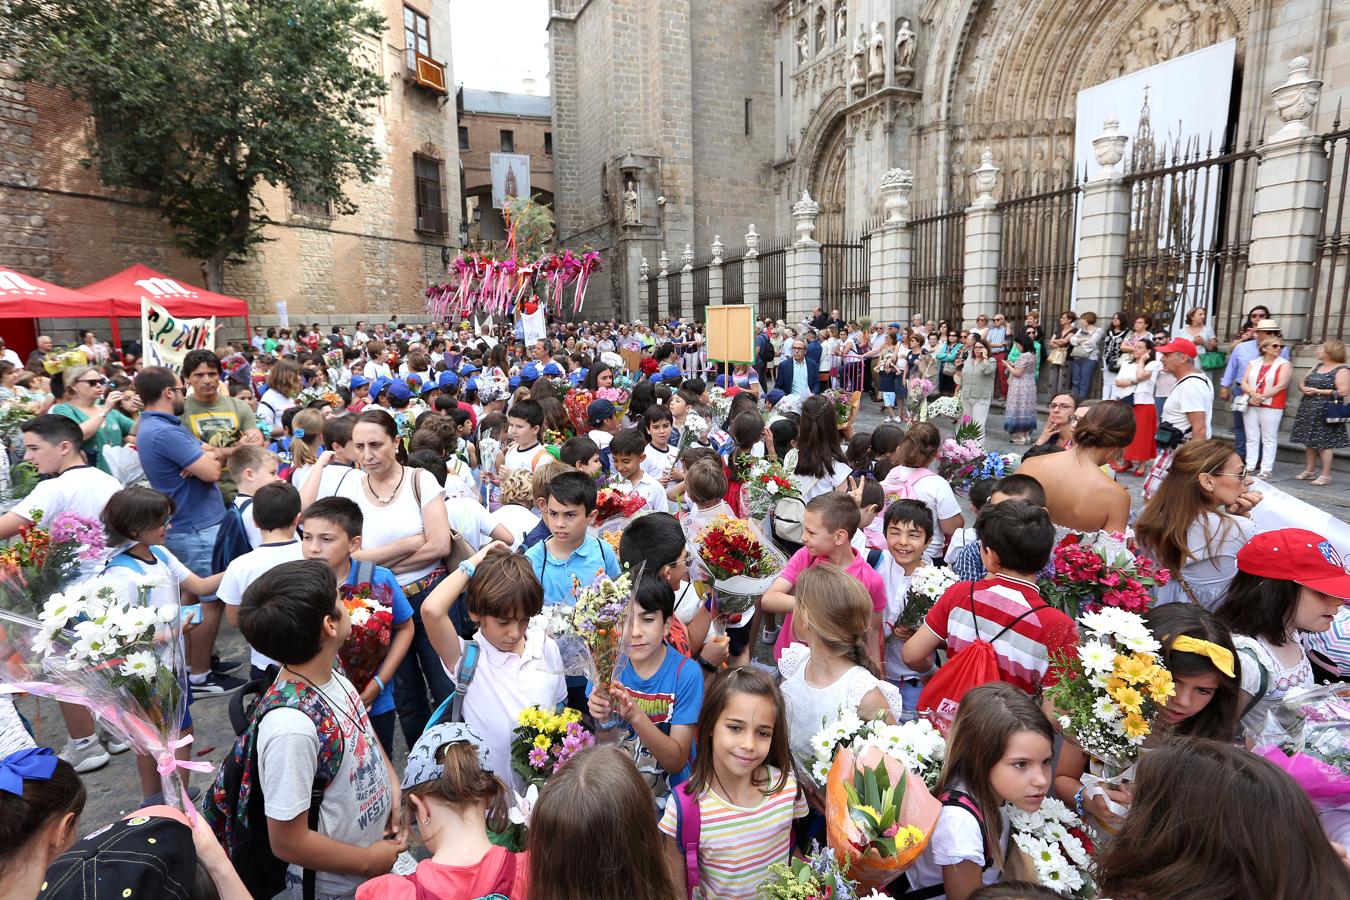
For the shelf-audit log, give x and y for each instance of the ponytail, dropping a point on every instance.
(307, 428)
(839, 610)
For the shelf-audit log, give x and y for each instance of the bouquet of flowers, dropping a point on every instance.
(553, 437)
(878, 816)
(766, 483)
(325, 393)
(955, 455)
(719, 401)
(333, 359)
(1308, 735)
(616, 395)
(991, 465)
(741, 562)
(945, 408)
(62, 358)
(371, 609)
(695, 431)
(844, 409)
(917, 744)
(543, 741)
(1111, 688)
(1053, 841)
(45, 559)
(594, 643)
(1103, 573)
(575, 403)
(817, 877)
(615, 501)
(926, 587)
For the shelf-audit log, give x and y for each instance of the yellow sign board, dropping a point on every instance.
(731, 334)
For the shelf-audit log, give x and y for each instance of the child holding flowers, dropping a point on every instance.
(519, 666)
(733, 818)
(908, 529)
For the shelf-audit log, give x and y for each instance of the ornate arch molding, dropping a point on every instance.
(816, 136)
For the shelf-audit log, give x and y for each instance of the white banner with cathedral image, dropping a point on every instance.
(1178, 108)
(510, 177)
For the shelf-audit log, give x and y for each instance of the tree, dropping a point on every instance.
(198, 102)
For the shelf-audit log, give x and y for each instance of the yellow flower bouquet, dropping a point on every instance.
(543, 741)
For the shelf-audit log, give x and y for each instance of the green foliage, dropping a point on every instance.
(874, 806)
(534, 228)
(196, 102)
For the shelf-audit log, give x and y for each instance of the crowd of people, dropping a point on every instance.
(445, 469)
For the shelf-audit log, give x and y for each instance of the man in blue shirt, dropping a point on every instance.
(178, 465)
(1231, 384)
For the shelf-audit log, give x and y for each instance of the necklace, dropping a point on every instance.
(402, 470)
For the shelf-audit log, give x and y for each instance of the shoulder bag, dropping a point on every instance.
(1337, 408)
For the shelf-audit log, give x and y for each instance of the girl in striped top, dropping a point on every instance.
(733, 818)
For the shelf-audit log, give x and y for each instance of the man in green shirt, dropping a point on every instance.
(216, 418)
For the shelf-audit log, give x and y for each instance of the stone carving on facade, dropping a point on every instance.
(630, 204)
(840, 20)
(751, 242)
(822, 30)
(906, 44)
(857, 73)
(644, 270)
(803, 42)
(986, 179)
(896, 186)
(1172, 28)
(876, 62)
(1295, 100)
(687, 257)
(717, 250)
(1109, 149)
(804, 213)
(664, 262)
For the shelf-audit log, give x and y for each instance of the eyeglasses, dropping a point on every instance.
(179, 390)
(1243, 475)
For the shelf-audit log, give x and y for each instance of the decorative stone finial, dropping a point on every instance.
(986, 179)
(1295, 100)
(644, 270)
(752, 242)
(717, 249)
(1109, 148)
(664, 262)
(804, 213)
(896, 185)
(688, 257)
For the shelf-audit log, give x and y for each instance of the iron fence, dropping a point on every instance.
(1331, 283)
(701, 293)
(674, 295)
(1190, 230)
(845, 279)
(733, 280)
(773, 280)
(653, 299)
(938, 280)
(1036, 261)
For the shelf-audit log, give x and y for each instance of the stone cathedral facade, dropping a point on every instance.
(719, 114)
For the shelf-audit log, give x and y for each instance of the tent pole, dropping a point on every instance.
(116, 333)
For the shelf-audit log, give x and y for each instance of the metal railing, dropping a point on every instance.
(674, 294)
(845, 278)
(733, 280)
(1036, 262)
(700, 275)
(653, 299)
(1331, 283)
(773, 279)
(938, 280)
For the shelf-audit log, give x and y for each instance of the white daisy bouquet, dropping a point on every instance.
(1111, 689)
(945, 408)
(100, 644)
(926, 587)
(764, 485)
(917, 744)
(1055, 845)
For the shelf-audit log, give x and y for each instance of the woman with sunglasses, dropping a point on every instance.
(1266, 388)
(100, 422)
(1198, 521)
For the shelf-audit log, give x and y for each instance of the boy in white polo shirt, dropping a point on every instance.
(519, 666)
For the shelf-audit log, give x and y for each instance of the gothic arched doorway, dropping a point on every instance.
(829, 181)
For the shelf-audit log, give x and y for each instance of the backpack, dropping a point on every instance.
(688, 824)
(232, 538)
(234, 807)
(904, 488)
(961, 800)
(786, 517)
(968, 668)
(453, 706)
(125, 560)
(1262, 689)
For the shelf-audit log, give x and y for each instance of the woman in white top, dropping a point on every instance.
(406, 529)
(1265, 387)
(283, 383)
(1084, 355)
(1197, 330)
(829, 363)
(1134, 384)
(1197, 522)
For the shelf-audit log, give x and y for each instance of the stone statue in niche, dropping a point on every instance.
(630, 204)
(803, 42)
(857, 74)
(840, 20)
(822, 29)
(876, 64)
(906, 42)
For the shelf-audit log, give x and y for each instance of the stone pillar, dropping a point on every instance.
(750, 269)
(984, 237)
(715, 289)
(662, 286)
(644, 275)
(803, 263)
(687, 284)
(1290, 188)
(1104, 233)
(892, 252)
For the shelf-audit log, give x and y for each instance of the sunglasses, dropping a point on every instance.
(1243, 475)
(96, 382)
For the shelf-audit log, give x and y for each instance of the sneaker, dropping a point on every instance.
(224, 666)
(86, 754)
(216, 685)
(111, 744)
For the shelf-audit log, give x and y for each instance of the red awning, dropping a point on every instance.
(126, 288)
(25, 297)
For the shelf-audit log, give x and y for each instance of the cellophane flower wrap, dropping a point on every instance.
(956, 454)
(1308, 735)
(917, 744)
(1055, 847)
(616, 500)
(694, 431)
(100, 645)
(844, 409)
(592, 634)
(371, 609)
(46, 558)
(926, 587)
(817, 876)
(878, 815)
(765, 483)
(1111, 688)
(576, 402)
(741, 562)
(1103, 572)
(945, 408)
(544, 740)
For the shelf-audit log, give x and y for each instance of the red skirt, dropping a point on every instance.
(1142, 448)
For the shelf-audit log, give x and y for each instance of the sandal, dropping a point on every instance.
(1322, 481)
(1304, 475)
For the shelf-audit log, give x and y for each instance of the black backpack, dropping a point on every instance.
(232, 538)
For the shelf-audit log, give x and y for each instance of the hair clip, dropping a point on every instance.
(299, 432)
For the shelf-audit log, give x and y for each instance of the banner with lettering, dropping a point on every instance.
(166, 339)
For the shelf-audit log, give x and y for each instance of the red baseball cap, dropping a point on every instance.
(1179, 345)
(1298, 555)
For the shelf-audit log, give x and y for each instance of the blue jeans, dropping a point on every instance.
(421, 671)
(1240, 441)
(1081, 372)
(910, 689)
(194, 549)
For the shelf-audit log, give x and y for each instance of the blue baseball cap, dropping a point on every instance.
(448, 379)
(529, 373)
(773, 396)
(553, 369)
(468, 369)
(399, 390)
(721, 381)
(670, 372)
(600, 410)
(575, 378)
(656, 378)
(430, 386)
(895, 325)
(358, 381)
(471, 384)
(377, 386)
(514, 382)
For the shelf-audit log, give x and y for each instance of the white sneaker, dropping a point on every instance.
(111, 744)
(86, 754)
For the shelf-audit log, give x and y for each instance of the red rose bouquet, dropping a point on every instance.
(575, 403)
(1105, 572)
(613, 501)
(371, 608)
(741, 563)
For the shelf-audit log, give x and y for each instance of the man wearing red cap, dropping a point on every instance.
(1190, 406)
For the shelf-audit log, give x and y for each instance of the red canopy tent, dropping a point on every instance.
(24, 297)
(123, 292)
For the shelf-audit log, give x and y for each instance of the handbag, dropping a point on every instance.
(1169, 436)
(1337, 410)
(1058, 356)
(1241, 402)
(1213, 359)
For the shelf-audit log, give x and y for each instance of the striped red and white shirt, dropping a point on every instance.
(737, 844)
(980, 610)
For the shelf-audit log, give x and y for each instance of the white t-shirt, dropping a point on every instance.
(517, 519)
(933, 491)
(601, 438)
(400, 518)
(165, 578)
(298, 476)
(897, 589)
(271, 405)
(528, 460)
(333, 475)
(814, 487)
(375, 370)
(83, 490)
(357, 803)
(658, 463)
(469, 518)
(1194, 393)
(246, 569)
(649, 489)
(1214, 540)
(956, 838)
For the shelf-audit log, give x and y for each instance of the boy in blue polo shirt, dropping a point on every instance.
(332, 534)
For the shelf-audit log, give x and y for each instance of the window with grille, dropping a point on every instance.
(508, 141)
(431, 212)
(306, 201)
(416, 35)
(463, 137)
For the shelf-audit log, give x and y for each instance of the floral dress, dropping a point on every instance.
(1310, 429)
(1019, 413)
